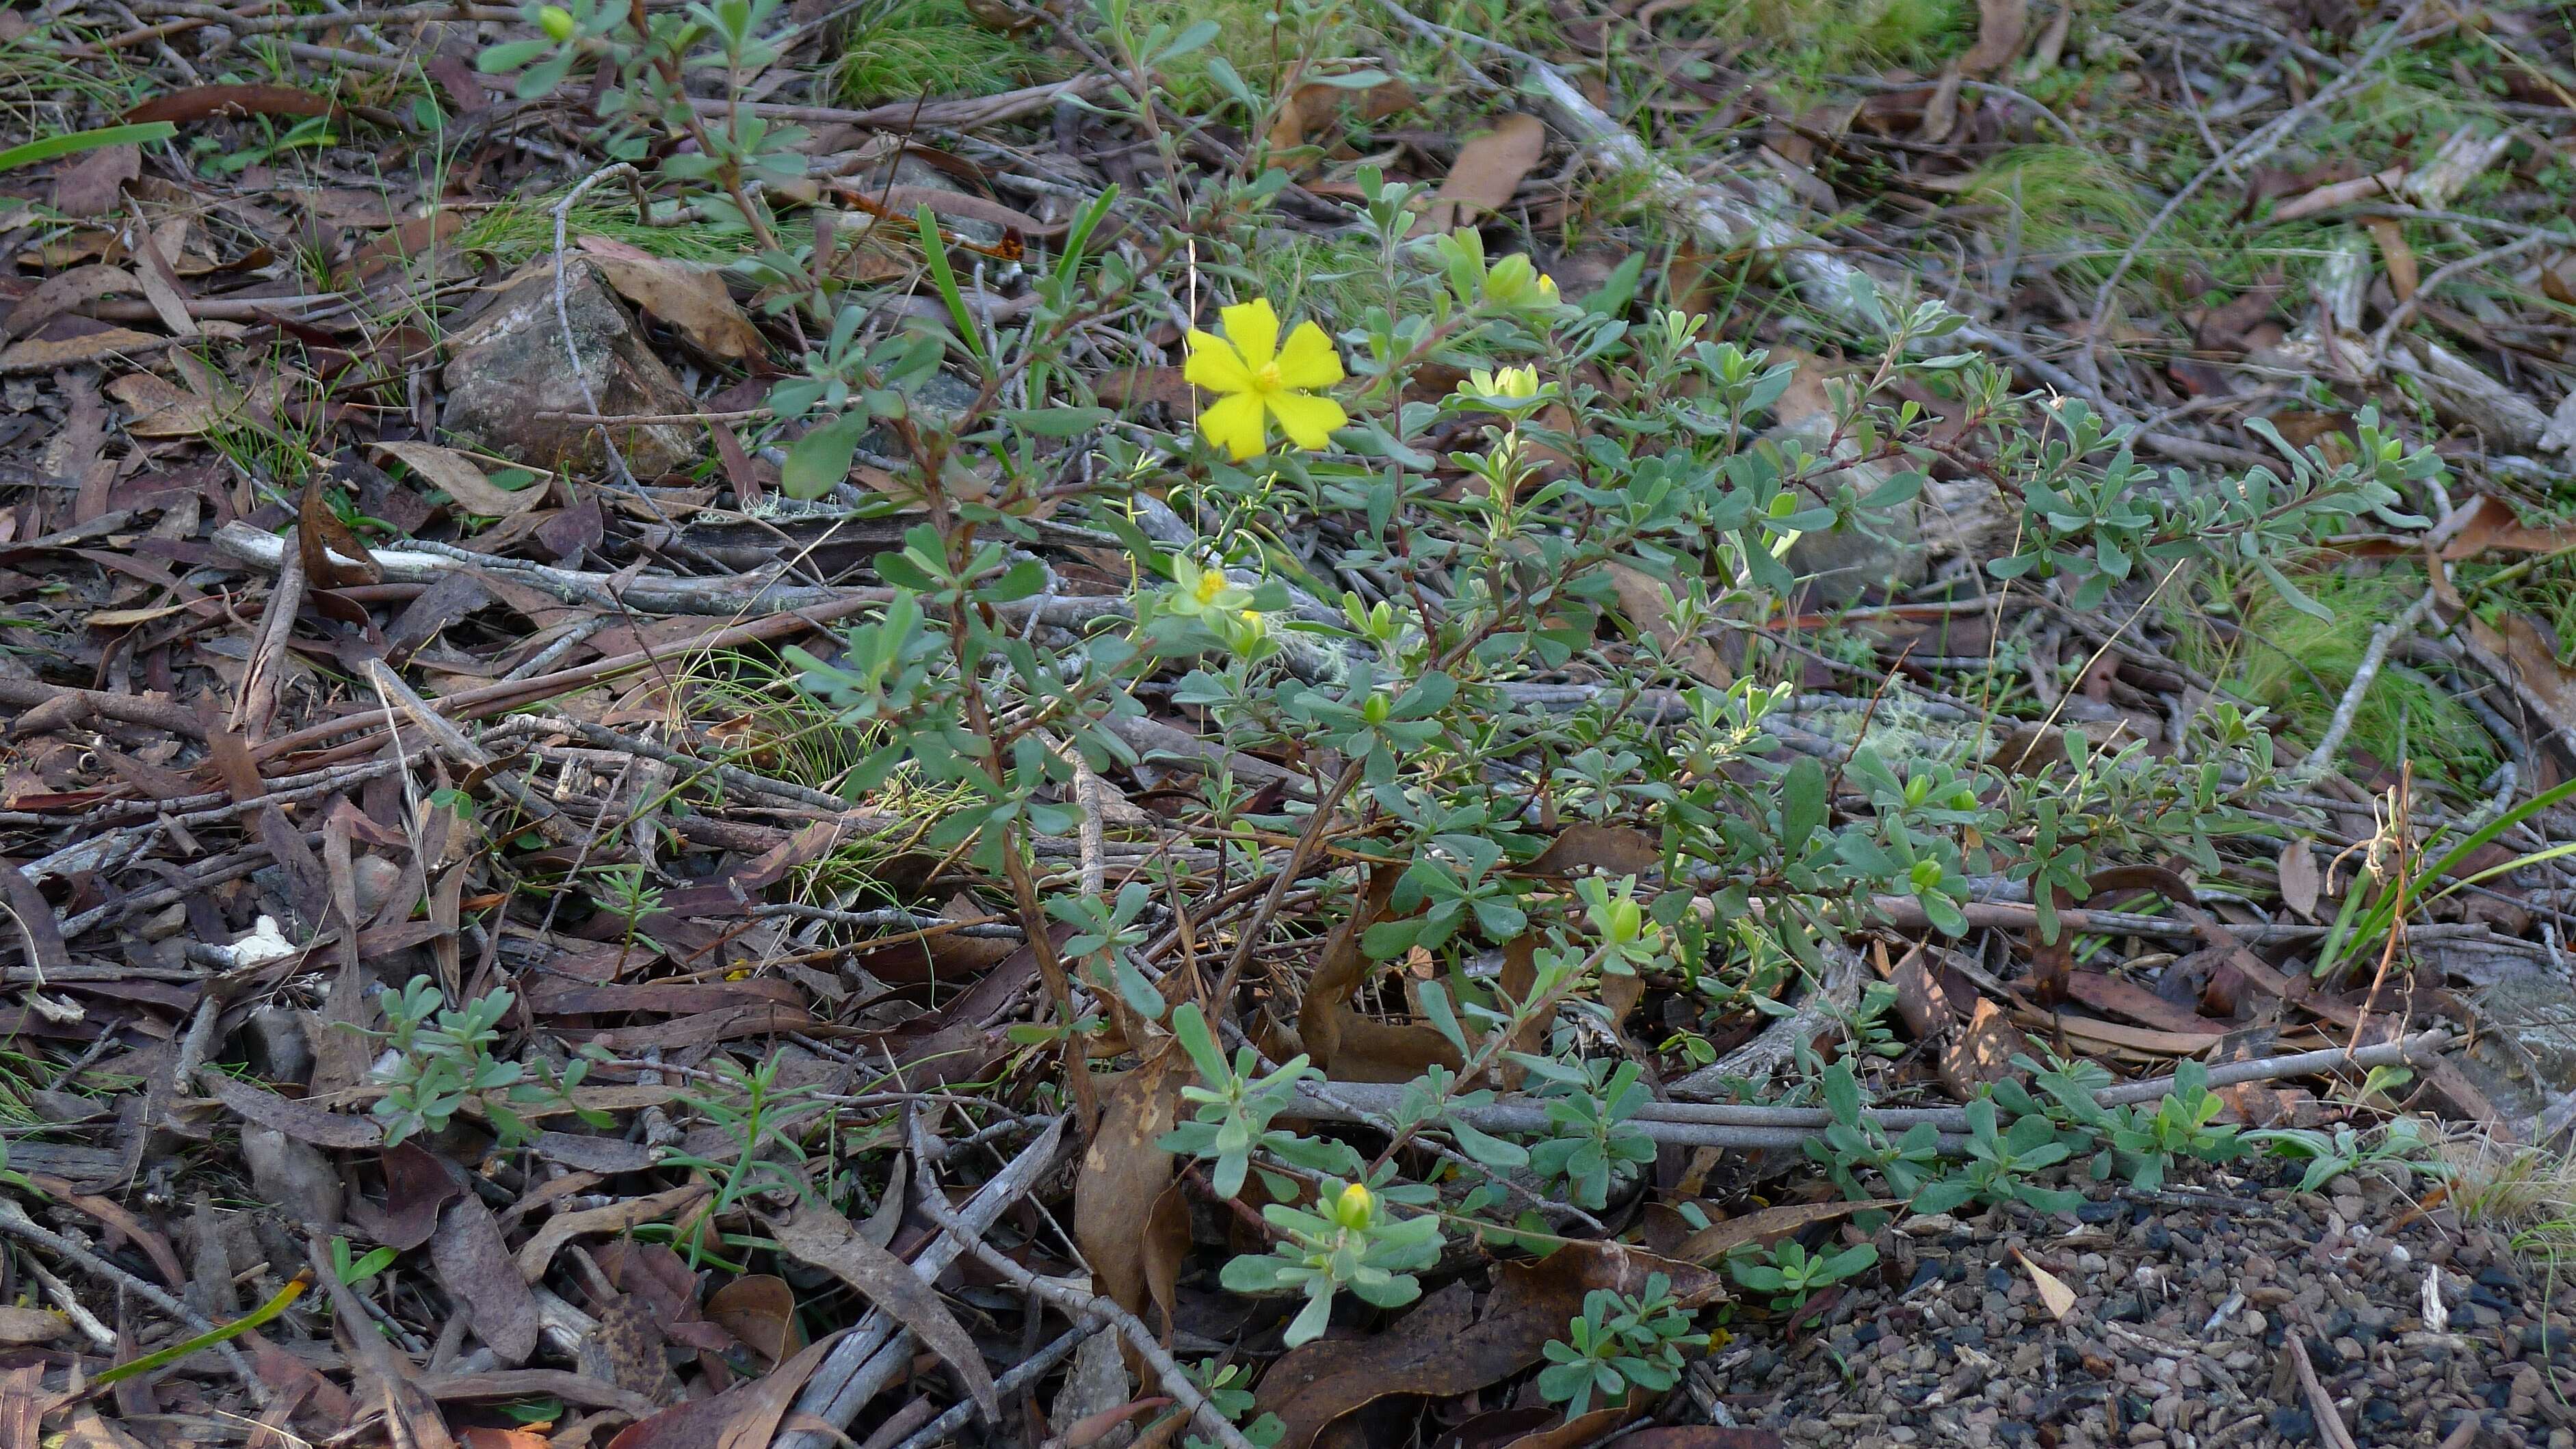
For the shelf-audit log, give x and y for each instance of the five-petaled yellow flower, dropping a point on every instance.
(1261, 379)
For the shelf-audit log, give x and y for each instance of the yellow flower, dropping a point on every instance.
(1517, 384)
(1262, 380)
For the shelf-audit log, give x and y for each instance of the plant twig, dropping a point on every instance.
(1091, 1307)
(15, 1222)
(869, 1357)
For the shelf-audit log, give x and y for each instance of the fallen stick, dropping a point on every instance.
(644, 594)
(484, 700)
(868, 1358)
(1691, 1124)
(1080, 1305)
(2321, 754)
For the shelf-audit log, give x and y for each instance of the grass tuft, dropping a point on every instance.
(927, 48)
(2298, 666)
(1814, 38)
(515, 231)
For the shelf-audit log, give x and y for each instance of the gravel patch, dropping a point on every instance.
(2178, 1333)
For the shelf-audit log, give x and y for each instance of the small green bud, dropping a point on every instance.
(1355, 1207)
(556, 22)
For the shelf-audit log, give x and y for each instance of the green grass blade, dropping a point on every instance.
(140, 133)
(222, 1333)
(946, 277)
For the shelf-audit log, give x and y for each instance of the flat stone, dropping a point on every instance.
(1840, 565)
(508, 369)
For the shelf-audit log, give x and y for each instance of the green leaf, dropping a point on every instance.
(820, 460)
(139, 134)
(1194, 38)
(1802, 805)
(1489, 1151)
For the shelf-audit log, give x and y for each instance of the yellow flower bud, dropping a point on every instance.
(1355, 1207)
(556, 22)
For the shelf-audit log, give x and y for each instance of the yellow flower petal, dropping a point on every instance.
(1309, 361)
(1253, 328)
(1215, 365)
(1306, 419)
(1234, 424)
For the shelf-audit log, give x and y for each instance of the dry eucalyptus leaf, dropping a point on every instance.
(1488, 170)
(690, 300)
(2052, 1289)
(459, 478)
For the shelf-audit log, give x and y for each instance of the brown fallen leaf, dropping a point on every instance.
(460, 478)
(43, 354)
(1589, 1427)
(2487, 522)
(1488, 170)
(1444, 1347)
(62, 292)
(2002, 25)
(1129, 1217)
(1648, 603)
(1982, 1052)
(691, 301)
(2300, 882)
(161, 408)
(760, 1310)
(823, 1238)
(745, 1416)
(2053, 1291)
(93, 183)
(539, 1251)
(330, 551)
(2122, 997)
(474, 1265)
(1350, 1046)
(198, 103)
(418, 1184)
(1768, 1225)
(302, 1120)
(2395, 255)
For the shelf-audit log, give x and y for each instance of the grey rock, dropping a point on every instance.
(273, 1041)
(509, 368)
(1840, 565)
(2526, 1056)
